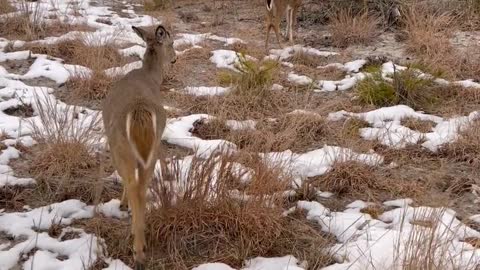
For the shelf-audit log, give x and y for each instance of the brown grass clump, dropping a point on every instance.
(64, 162)
(306, 59)
(467, 147)
(373, 210)
(28, 24)
(206, 224)
(428, 33)
(89, 87)
(365, 182)
(350, 177)
(297, 132)
(329, 73)
(62, 159)
(6, 7)
(349, 29)
(94, 87)
(78, 52)
(418, 125)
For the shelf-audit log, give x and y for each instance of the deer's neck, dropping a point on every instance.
(153, 67)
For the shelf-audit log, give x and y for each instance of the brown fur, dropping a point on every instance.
(128, 114)
(276, 9)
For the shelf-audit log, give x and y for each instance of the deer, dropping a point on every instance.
(276, 9)
(134, 120)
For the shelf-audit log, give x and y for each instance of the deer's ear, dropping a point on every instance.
(140, 32)
(161, 34)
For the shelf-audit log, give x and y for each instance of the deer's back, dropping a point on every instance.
(132, 91)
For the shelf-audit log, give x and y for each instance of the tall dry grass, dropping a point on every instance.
(6, 7)
(204, 222)
(66, 162)
(348, 28)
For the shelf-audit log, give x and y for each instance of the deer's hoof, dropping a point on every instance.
(139, 265)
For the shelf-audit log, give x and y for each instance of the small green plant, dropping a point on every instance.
(406, 87)
(372, 68)
(413, 90)
(376, 91)
(253, 77)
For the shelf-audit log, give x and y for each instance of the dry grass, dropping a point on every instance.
(28, 24)
(6, 7)
(350, 29)
(467, 147)
(89, 87)
(329, 73)
(79, 52)
(254, 79)
(64, 162)
(306, 59)
(427, 245)
(428, 34)
(357, 180)
(206, 224)
(94, 87)
(373, 210)
(418, 125)
(297, 132)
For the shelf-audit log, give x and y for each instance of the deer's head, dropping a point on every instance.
(160, 49)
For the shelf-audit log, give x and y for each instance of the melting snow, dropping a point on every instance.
(206, 90)
(387, 128)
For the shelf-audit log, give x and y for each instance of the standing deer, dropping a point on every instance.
(276, 9)
(134, 120)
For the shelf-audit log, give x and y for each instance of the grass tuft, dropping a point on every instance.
(376, 91)
(6, 7)
(64, 162)
(253, 79)
(206, 224)
(349, 29)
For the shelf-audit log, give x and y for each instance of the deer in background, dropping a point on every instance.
(134, 120)
(276, 9)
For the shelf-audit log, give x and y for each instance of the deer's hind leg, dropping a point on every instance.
(137, 201)
(267, 39)
(293, 20)
(276, 28)
(124, 199)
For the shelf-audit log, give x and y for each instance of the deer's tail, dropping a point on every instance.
(141, 128)
(269, 4)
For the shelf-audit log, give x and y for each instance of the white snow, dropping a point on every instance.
(227, 59)
(178, 132)
(387, 128)
(316, 162)
(299, 79)
(283, 54)
(195, 39)
(366, 243)
(116, 265)
(260, 263)
(354, 66)
(81, 252)
(206, 90)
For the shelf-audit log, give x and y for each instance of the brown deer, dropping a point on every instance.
(134, 120)
(276, 9)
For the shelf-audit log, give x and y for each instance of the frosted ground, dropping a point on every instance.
(362, 241)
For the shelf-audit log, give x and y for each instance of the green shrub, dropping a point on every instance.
(253, 77)
(376, 91)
